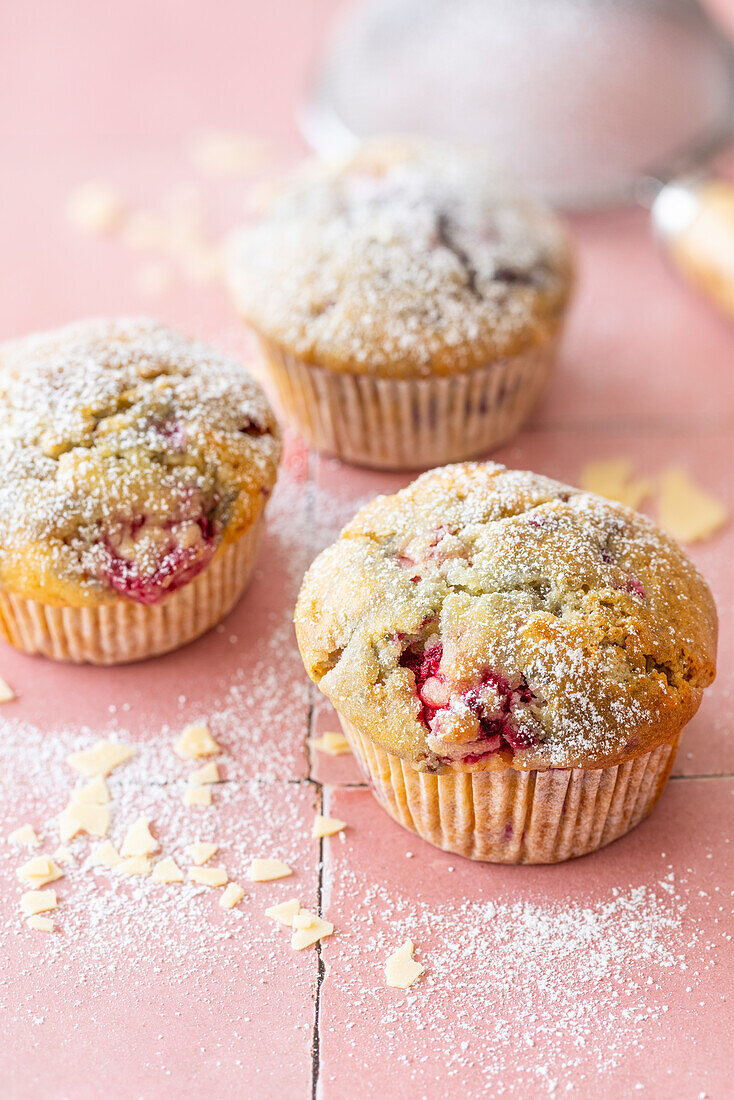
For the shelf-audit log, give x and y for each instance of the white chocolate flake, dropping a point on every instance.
(167, 870)
(95, 208)
(139, 841)
(207, 876)
(39, 871)
(284, 911)
(201, 851)
(24, 837)
(100, 759)
(94, 793)
(309, 929)
(6, 692)
(38, 901)
(194, 742)
(198, 796)
(265, 870)
(614, 479)
(326, 826)
(40, 924)
(84, 817)
(106, 854)
(209, 773)
(232, 895)
(685, 510)
(331, 743)
(401, 969)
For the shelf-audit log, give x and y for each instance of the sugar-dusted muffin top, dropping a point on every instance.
(485, 617)
(408, 259)
(128, 455)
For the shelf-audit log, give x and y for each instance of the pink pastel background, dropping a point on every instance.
(139, 996)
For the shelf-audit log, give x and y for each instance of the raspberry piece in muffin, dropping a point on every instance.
(132, 462)
(497, 624)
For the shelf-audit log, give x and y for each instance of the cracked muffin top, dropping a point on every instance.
(409, 259)
(128, 455)
(484, 618)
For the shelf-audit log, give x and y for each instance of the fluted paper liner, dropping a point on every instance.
(409, 423)
(120, 630)
(513, 816)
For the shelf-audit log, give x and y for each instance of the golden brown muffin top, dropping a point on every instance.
(485, 617)
(409, 259)
(128, 455)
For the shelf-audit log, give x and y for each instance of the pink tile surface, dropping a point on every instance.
(606, 977)
(154, 986)
(154, 992)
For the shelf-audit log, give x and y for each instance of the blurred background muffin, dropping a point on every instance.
(407, 301)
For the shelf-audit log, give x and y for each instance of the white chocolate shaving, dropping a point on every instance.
(309, 929)
(685, 510)
(265, 870)
(326, 826)
(167, 870)
(198, 796)
(196, 741)
(101, 758)
(39, 871)
(231, 896)
(331, 743)
(284, 912)
(209, 773)
(207, 876)
(201, 852)
(24, 837)
(401, 969)
(38, 901)
(139, 841)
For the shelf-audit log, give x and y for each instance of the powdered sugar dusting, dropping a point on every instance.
(520, 997)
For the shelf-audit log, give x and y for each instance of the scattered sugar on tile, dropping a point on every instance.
(574, 983)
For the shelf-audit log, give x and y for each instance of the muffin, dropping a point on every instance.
(408, 304)
(134, 469)
(512, 660)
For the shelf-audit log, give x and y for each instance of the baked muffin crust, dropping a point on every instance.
(486, 618)
(128, 456)
(409, 259)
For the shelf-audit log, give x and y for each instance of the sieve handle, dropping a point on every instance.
(694, 219)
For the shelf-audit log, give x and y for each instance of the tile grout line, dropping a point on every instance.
(321, 970)
(624, 428)
(320, 967)
(704, 775)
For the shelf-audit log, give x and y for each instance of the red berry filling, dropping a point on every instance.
(496, 731)
(635, 586)
(174, 566)
(424, 666)
(632, 584)
(172, 432)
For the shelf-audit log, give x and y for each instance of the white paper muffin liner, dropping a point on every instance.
(510, 816)
(120, 630)
(408, 423)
